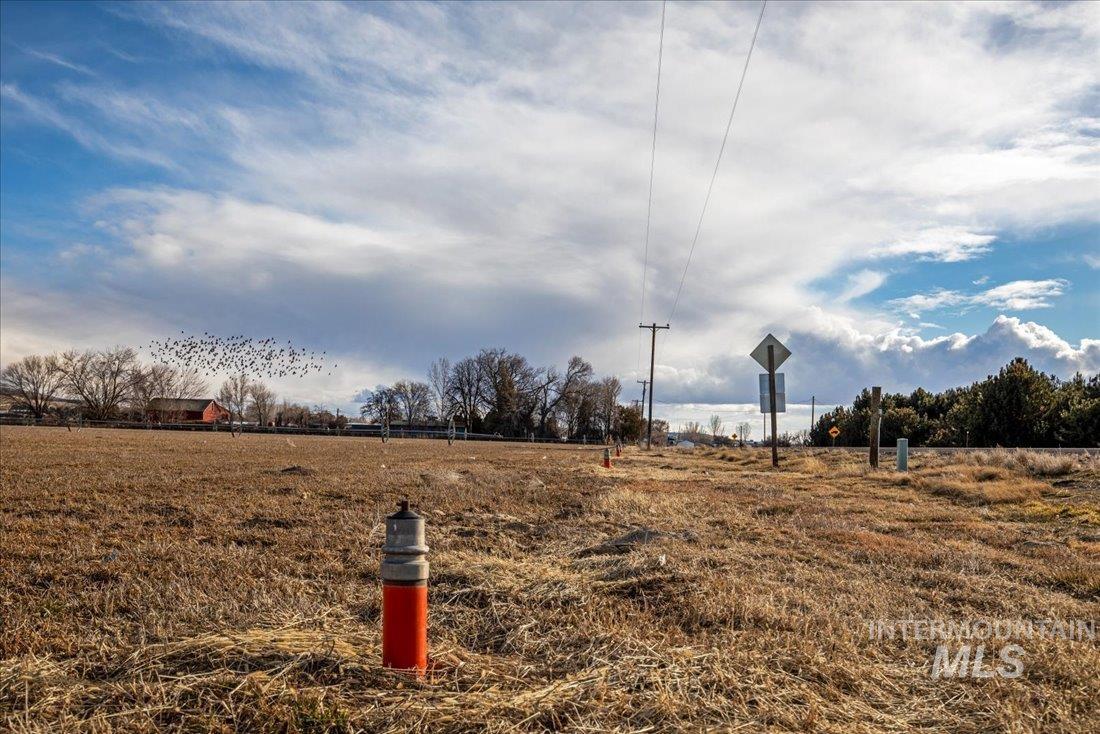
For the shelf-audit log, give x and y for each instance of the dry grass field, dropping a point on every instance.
(188, 581)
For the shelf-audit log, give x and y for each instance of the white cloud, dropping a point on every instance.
(1023, 294)
(58, 61)
(945, 244)
(47, 113)
(438, 178)
(836, 357)
(862, 283)
(900, 361)
(1018, 295)
(81, 250)
(219, 237)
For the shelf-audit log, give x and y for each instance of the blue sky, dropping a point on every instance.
(910, 192)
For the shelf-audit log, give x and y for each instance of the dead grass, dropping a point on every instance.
(1036, 463)
(986, 491)
(187, 582)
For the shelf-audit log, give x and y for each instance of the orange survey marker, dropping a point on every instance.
(607, 458)
(405, 593)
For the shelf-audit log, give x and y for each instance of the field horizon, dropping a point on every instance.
(192, 581)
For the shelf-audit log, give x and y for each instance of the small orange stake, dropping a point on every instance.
(405, 593)
(405, 627)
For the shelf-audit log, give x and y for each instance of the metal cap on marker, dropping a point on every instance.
(403, 555)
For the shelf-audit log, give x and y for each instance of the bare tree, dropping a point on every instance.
(545, 397)
(558, 388)
(578, 408)
(381, 405)
(234, 395)
(715, 426)
(607, 399)
(508, 389)
(261, 405)
(439, 378)
(100, 379)
(292, 414)
(660, 432)
(744, 430)
(414, 399)
(162, 381)
(693, 431)
(631, 423)
(144, 388)
(34, 380)
(466, 390)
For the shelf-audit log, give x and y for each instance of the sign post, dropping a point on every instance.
(771, 391)
(769, 354)
(876, 419)
(834, 432)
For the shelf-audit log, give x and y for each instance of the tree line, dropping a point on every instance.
(500, 392)
(1018, 407)
(495, 391)
(114, 384)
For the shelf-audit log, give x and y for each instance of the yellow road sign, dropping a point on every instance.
(834, 431)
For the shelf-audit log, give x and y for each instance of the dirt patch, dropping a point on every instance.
(633, 539)
(299, 471)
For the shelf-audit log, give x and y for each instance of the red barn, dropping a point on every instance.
(186, 410)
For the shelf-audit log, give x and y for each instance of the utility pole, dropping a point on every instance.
(876, 419)
(643, 383)
(652, 360)
(813, 404)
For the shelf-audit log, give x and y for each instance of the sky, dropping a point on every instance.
(909, 194)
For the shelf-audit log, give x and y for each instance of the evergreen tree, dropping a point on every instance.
(1018, 407)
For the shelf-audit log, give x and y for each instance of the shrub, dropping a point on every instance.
(1036, 463)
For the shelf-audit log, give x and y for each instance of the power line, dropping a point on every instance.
(721, 150)
(652, 162)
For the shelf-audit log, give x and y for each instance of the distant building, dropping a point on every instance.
(186, 410)
(12, 405)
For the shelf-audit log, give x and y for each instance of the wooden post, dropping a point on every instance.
(771, 395)
(876, 418)
(652, 361)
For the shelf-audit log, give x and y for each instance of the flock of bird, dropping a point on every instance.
(210, 355)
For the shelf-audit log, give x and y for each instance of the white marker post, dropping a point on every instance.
(903, 454)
